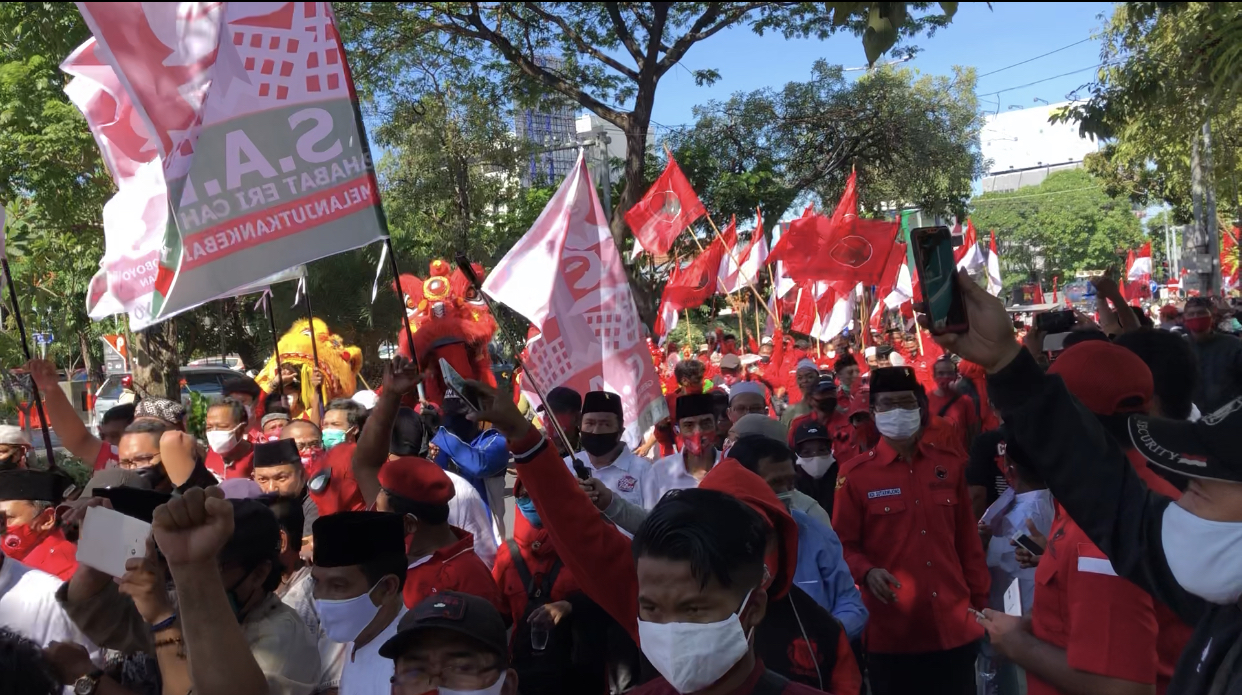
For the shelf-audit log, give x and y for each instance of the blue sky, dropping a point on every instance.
(988, 39)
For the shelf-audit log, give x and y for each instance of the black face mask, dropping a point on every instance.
(599, 444)
(10, 462)
(155, 475)
(457, 424)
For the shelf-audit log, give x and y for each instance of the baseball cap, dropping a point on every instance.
(810, 432)
(13, 435)
(366, 399)
(1207, 448)
(1104, 377)
(563, 399)
(826, 383)
(730, 362)
(1170, 311)
(416, 479)
(467, 615)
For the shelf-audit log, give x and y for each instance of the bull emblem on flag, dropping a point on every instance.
(852, 251)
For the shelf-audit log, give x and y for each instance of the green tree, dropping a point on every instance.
(1065, 225)
(912, 139)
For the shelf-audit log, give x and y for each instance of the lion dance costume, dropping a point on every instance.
(339, 362)
(451, 321)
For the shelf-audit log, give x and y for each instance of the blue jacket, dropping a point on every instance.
(823, 574)
(486, 457)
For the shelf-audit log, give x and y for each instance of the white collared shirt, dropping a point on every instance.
(1007, 523)
(629, 477)
(670, 473)
(468, 512)
(28, 607)
(364, 671)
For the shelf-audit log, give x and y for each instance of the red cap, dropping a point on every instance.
(1169, 311)
(417, 480)
(1106, 378)
(860, 403)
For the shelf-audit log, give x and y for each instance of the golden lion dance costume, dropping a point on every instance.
(451, 321)
(340, 363)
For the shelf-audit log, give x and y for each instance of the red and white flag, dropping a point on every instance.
(1138, 273)
(971, 258)
(734, 277)
(669, 206)
(994, 274)
(566, 277)
(250, 113)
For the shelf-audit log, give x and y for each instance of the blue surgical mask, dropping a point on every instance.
(332, 437)
(527, 506)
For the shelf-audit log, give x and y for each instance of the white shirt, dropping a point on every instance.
(629, 477)
(670, 473)
(468, 513)
(364, 671)
(28, 607)
(1008, 522)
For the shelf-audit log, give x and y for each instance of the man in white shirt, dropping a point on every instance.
(468, 513)
(359, 572)
(696, 427)
(607, 457)
(28, 606)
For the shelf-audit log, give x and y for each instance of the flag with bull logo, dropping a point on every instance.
(251, 121)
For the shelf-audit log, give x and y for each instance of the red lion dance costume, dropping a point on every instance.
(450, 321)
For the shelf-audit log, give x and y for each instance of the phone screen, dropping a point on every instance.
(455, 382)
(942, 298)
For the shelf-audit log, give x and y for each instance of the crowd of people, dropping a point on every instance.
(890, 513)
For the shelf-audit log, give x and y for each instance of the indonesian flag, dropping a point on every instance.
(971, 258)
(566, 277)
(832, 322)
(1229, 258)
(669, 206)
(1138, 273)
(666, 319)
(736, 276)
(960, 252)
(994, 274)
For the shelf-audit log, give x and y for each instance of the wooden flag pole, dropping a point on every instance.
(271, 324)
(310, 314)
(34, 388)
(749, 282)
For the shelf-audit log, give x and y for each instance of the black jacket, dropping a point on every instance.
(1092, 479)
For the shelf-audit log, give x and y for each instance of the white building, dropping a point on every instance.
(1023, 147)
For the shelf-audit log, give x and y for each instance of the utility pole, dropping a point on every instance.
(1211, 231)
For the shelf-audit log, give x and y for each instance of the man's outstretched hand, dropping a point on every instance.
(401, 375)
(193, 528)
(500, 410)
(990, 342)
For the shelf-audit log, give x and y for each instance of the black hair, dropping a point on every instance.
(383, 565)
(355, 414)
(255, 540)
(753, 448)
(243, 385)
(288, 511)
(946, 359)
(23, 668)
(729, 336)
(149, 425)
(1143, 319)
(118, 413)
(1022, 465)
(236, 410)
(1076, 337)
(720, 537)
(408, 434)
(1174, 367)
(274, 403)
(425, 512)
(843, 362)
(689, 370)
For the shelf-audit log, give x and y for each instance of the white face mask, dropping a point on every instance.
(1204, 556)
(493, 689)
(344, 619)
(899, 423)
(817, 466)
(692, 656)
(222, 442)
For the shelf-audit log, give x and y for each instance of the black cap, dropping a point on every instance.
(464, 614)
(883, 350)
(603, 402)
(256, 534)
(563, 399)
(353, 538)
(32, 485)
(1208, 448)
(888, 379)
(694, 405)
(809, 432)
(730, 362)
(281, 452)
(826, 383)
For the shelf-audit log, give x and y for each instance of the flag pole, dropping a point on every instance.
(732, 257)
(271, 324)
(34, 388)
(310, 314)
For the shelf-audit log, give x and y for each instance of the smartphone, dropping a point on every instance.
(1030, 545)
(1062, 321)
(109, 539)
(941, 294)
(455, 382)
(135, 502)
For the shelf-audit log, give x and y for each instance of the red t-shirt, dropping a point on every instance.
(452, 568)
(227, 470)
(107, 457)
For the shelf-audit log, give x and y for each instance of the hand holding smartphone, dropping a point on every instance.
(942, 297)
(458, 384)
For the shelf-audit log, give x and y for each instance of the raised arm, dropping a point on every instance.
(73, 434)
(401, 377)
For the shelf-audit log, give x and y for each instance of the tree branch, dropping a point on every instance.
(701, 30)
(623, 32)
(580, 43)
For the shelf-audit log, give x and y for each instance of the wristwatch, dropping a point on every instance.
(87, 684)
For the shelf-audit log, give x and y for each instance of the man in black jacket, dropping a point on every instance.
(1187, 554)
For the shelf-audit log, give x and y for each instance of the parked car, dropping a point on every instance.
(208, 381)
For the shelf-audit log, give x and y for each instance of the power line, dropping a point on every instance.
(1046, 79)
(1028, 60)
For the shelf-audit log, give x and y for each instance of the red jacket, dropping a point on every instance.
(535, 545)
(241, 468)
(341, 493)
(914, 520)
(54, 555)
(601, 559)
(452, 568)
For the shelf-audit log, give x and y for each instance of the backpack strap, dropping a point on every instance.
(520, 565)
(770, 683)
(537, 595)
(945, 408)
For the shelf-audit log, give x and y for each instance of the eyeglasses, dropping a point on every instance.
(751, 410)
(904, 404)
(309, 445)
(458, 674)
(143, 461)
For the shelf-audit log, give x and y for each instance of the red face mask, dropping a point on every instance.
(1199, 324)
(698, 443)
(19, 540)
(945, 384)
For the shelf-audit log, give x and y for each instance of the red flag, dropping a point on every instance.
(888, 280)
(847, 210)
(669, 206)
(1039, 293)
(847, 207)
(1055, 280)
(855, 251)
(1127, 290)
(804, 309)
(700, 278)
